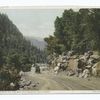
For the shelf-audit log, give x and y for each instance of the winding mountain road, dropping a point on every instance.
(50, 81)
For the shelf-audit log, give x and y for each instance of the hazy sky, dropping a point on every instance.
(34, 22)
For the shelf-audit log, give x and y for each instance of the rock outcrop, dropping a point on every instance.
(84, 66)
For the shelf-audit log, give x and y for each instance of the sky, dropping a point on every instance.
(34, 22)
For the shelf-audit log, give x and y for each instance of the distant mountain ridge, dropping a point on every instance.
(38, 42)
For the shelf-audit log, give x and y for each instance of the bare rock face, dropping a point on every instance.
(73, 64)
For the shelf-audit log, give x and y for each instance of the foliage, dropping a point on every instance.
(76, 30)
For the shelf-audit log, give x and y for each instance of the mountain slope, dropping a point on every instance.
(16, 54)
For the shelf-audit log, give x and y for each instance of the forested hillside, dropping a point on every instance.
(16, 53)
(76, 30)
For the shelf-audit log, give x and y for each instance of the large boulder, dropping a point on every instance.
(21, 73)
(64, 65)
(56, 69)
(12, 85)
(96, 69)
(70, 53)
(81, 64)
(91, 61)
(88, 66)
(54, 62)
(84, 58)
(78, 72)
(97, 57)
(72, 64)
(86, 73)
(59, 59)
(74, 57)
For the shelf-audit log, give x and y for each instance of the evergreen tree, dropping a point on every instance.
(76, 30)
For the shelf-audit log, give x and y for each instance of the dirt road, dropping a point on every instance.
(48, 81)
